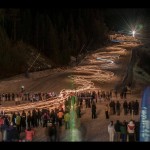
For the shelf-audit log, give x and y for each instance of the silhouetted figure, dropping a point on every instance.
(93, 111)
(52, 132)
(27, 74)
(106, 111)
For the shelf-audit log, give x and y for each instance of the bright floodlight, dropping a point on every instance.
(133, 33)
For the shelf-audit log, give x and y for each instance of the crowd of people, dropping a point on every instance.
(119, 131)
(131, 107)
(26, 96)
(123, 131)
(13, 124)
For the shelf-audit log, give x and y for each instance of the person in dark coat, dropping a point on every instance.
(137, 130)
(23, 121)
(78, 111)
(111, 107)
(52, 132)
(123, 131)
(117, 129)
(136, 107)
(107, 111)
(12, 133)
(129, 108)
(93, 110)
(125, 91)
(39, 115)
(13, 118)
(5, 127)
(29, 119)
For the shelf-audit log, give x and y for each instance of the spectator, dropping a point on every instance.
(131, 131)
(117, 130)
(136, 109)
(1, 125)
(111, 131)
(12, 133)
(67, 120)
(29, 134)
(60, 117)
(93, 110)
(107, 111)
(78, 111)
(123, 131)
(52, 132)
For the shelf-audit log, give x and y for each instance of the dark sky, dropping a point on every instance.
(74, 3)
(116, 18)
(127, 18)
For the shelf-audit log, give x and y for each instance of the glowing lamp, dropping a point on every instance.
(133, 33)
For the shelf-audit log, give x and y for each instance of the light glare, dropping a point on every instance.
(133, 33)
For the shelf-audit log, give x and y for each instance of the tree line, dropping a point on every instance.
(56, 33)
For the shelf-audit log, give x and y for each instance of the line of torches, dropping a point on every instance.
(93, 68)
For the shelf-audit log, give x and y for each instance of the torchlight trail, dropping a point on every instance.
(92, 68)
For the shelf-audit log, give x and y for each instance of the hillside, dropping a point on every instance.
(86, 74)
(101, 70)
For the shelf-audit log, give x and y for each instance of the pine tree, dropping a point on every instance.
(25, 31)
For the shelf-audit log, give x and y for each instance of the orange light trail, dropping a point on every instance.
(92, 68)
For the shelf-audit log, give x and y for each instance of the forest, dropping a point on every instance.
(57, 34)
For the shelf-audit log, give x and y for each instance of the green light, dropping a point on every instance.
(74, 133)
